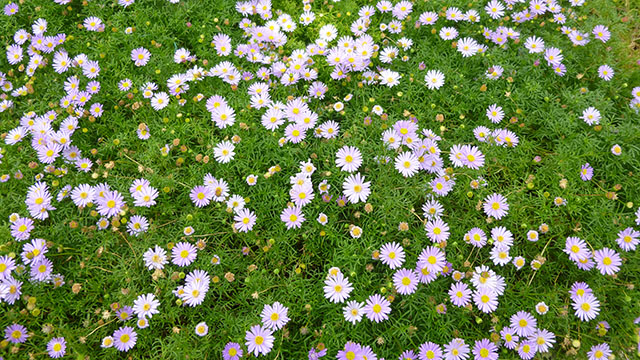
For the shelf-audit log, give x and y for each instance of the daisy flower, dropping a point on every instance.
(496, 205)
(576, 248)
(292, 217)
(244, 220)
(41, 269)
(502, 236)
(160, 101)
(523, 323)
(600, 352)
(485, 350)
(591, 116)
(526, 350)
(16, 334)
(405, 281)
(57, 347)
(407, 164)
(146, 305)
(542, 340)
(183, 254)
(432, 258)
(605, 72)
(586, 307)
(432, 209)
(223, 152)
(348, 159)
(353, 311)
(456, 349)
(460, 294)
(259, 340)
(194, 292)
(586, 172)
(232, 351)
(337, 288)
(351, 351)
(140, 56)
(608, 262)
(392, 254)
(274, 316)
(124, 339)
(616, 150)
(430, 350)
(500, 255)
(202, 329)
(628, 239)
(495, 113)
(377, 308)
(601, 33)
(542, 308)
(437, 230)
(389, 78)
(486, 299)
(434, 79)
(356, 189)
(155, 258)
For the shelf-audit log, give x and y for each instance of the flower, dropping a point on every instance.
(57, 347)
(591, 116)
(542, 308)
(392, 254)
(337, 288)
(437, 230)
(353, 311)
(496, 205)
(460, 294)
(223, 152)
(292, 217)
(628, 239)
(124, 339)
(232, 351)
(432, 258)
(486, 299)
(605, 72)
(456, 349)
(140, 56)
(146, 305)
(351, 351)
(405, 281)
(202, 329)
(586, 307)
(485, 350)
(348, 159)
(183, 254)
(523, 323)
(244, 220)
(407, 164)
(434, 79)
(599, 352)
(356, 189)
(616, 150)
(259, 340)
(155, 258)
(274, 316)
(430, 350)
(607, 261)
(16, 334)
(586, 172)
(377, 308)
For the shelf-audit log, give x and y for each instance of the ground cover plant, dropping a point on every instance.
(320, 179)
